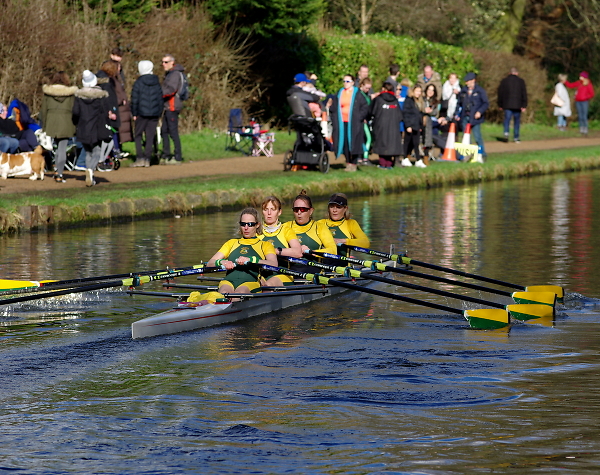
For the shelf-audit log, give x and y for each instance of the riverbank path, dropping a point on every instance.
(237, 166)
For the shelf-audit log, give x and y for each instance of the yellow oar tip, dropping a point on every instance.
(556, 289)
(544, 298)
(526, 312)
(487, 319)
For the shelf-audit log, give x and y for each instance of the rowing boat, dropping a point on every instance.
(188, 316)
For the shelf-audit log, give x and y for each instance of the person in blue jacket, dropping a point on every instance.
(471, 107)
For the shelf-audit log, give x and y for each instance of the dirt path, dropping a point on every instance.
(238, 165)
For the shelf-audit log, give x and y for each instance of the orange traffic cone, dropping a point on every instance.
(467, 135)
(449, 151)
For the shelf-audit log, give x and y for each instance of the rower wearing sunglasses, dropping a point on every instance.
(282, 237)
(236, 255)
(313, 235)
(344, 229)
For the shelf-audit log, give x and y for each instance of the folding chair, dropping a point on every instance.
(239, 137)
(263, 144)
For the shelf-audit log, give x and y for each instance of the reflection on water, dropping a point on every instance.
(354, 384)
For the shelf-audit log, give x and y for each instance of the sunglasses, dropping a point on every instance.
(243, 224)
(346, 80)
(165, 62)
(300, 209)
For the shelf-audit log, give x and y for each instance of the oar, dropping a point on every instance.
(542, 298)
(557, 289)
(517, 311)
(478, 318)
(130, 282)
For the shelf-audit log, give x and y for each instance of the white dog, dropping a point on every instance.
(25, 163)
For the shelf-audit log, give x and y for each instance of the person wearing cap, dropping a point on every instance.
(583, 95)
(345, 231)
(57, 117)
(298, 98)
(146, 107)
(471, 107)
(91, 115)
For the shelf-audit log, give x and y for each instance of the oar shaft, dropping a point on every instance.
(409, 261)
(316, 278)
(366, 275)
(399, 270)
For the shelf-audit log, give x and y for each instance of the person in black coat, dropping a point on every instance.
(348, 113)
(512, 98)
(387, 115)
(91, 115)
(413, 123)
(146, 106)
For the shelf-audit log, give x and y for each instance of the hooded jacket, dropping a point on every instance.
(387, 115)
(146, 96)
(56, 111)
(170, 88)
(90, 116)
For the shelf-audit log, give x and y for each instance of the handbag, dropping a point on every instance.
(557, 101)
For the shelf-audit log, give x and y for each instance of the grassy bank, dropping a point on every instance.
(204, 194)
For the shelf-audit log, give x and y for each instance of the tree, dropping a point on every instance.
(266, 18)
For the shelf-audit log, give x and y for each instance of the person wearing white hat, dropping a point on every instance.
(146, 106)
(91, 114)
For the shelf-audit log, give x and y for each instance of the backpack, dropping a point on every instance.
(184, 89)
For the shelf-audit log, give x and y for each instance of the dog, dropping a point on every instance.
(25, 163)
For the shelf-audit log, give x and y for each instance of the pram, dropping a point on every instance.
(310, 147)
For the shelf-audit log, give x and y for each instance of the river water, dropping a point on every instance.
(354, 384)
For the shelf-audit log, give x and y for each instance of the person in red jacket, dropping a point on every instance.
(583, 95)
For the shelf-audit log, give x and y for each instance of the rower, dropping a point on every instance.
(282, 237)
(345, 231)
(236, 255)
(313, 235)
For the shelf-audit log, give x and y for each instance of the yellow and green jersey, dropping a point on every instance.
(281, 237)
(253, 247)
(348, 229)
(315, 235)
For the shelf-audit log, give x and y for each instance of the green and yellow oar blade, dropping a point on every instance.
(487, 319)
(544, 298)
(556, 289)
(7, 284)
(526, 312)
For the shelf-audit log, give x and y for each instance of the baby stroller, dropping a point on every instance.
(310, 147)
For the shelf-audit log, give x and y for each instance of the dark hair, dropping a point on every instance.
(304, 197)
(388, 86)
(394, 69)
(253, 212)
(117, 51)
(271, 199)
(61, 77)
(350, 76)
(434, 100)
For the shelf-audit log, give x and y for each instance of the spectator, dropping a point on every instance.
(91, 115)
(431, 114)
(363, 72)
(472, 104)
(26, 140)
(450, 91)
(430, 76)
(393, 77)
(107, 81)
(350, 109)
(413, 122)
(512, 98)
(583, 95)
(57, 117)
(365, 86)
(171, 87)
(564, 111)
(8, 144)
(116, 54)
(402, 94)
(387, 116)
(146, 107)
(299, 98)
